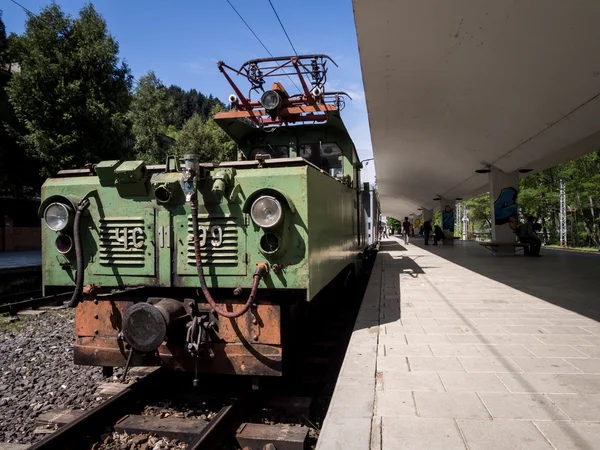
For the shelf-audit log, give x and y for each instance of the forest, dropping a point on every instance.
(67, 99)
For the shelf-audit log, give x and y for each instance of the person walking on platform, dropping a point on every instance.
(406, 230)
(427, 231)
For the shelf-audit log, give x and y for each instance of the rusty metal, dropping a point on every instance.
(219, 426)
(301, 107)
(235, 349)
(146, 325)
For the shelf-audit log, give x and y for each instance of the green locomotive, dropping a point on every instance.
(205, 267)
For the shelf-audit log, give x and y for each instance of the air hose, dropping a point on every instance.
(78, 292)
(261, 270)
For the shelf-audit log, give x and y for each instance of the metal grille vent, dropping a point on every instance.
(122, 241)
(218, 240)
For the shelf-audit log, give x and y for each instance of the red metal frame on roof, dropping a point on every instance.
(309, 105)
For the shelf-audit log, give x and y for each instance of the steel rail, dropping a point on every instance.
(78, 433)
(12, 308)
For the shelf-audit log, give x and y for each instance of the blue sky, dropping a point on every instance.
(182, 41)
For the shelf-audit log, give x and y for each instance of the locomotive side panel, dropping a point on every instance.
(333, 235)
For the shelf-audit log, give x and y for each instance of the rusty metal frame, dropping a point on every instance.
(301, 107)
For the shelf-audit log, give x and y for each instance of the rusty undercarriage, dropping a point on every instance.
(248, 345)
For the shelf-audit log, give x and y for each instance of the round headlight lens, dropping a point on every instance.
(270, 100)
(266, 212)
(56, 216)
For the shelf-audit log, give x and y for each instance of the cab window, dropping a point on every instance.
(327, 156)
(275, 151)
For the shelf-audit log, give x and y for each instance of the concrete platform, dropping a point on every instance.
(16, 260)
(456, 349)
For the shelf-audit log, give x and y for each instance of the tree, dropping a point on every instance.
(19, 174)
(478, 210)
(73, 92)
(149, 111)
(394, 224)
(206, 139)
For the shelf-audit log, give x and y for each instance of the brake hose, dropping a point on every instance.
(78, 292)
(261, 270)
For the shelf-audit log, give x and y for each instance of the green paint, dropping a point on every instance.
(131, 239)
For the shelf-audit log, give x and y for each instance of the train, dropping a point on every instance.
(208, 267)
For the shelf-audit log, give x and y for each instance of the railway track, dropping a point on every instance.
(278, 413)
(13, 303)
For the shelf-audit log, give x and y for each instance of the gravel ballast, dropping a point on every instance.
(38, 375)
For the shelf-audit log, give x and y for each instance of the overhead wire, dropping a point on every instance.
(258, 39)
(283, 28)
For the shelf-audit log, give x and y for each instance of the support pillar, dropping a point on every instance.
(504, 188)
(448, 219)
(427, 215)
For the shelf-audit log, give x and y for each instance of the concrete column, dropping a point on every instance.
(427, 215)
(504, 188)
(448, 219)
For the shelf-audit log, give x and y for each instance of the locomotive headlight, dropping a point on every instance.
(270, 100)
(57, 216)
(266, 211)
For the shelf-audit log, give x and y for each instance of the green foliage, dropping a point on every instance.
(478, 210)
(73, 92)
(206, 139)
(394, 224)
(149, 109)
(184, 104)
(17, 170)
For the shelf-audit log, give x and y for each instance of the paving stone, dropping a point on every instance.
(545, 365)
(412, 381)
(420, 433)
(392, 364)
(395, 404)
(588, 350)
(586, 365)
(571, 435)
(456, 350)
(434, 364)
(350, 402)
(489, 364)
(472, 382)
(504, 350)
(591, 340)
(583, 407)
(565, 339)
(555, 351)
(453, 405)
(427, 339)
(502, 435)
(542, 383)
(347, 433)
(517, 339)
(524, 329)
(581, 383)
(472, 339)
(445, 329)
(405, 350)
(521, 406)
(553, 329)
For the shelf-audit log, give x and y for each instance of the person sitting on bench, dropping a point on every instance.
(526, 234)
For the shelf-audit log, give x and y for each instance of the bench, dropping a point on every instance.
(492, 246)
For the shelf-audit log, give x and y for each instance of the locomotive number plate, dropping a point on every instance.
(213, 234)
